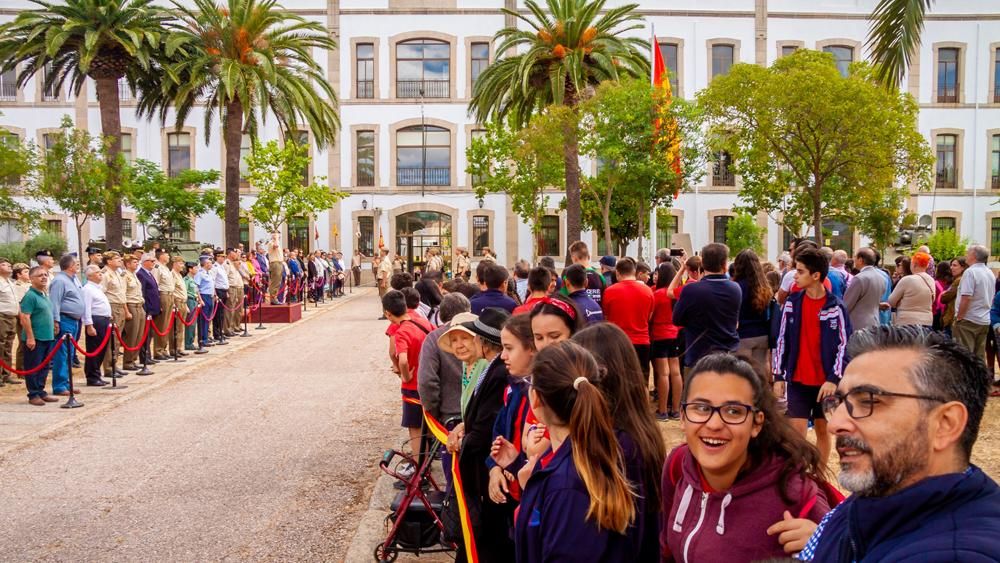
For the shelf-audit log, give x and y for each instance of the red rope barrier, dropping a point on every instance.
(192, 319)
(142, 340)
(231, 309)
(37, 368)
(98, 351)
(215, 309)
(166, 331)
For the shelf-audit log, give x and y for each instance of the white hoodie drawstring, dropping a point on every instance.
(683, 508)
(720, 528)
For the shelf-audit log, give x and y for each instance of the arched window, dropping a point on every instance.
(843, 54)
(423, 69)
(423, 156)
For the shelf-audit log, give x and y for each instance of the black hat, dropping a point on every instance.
(488, 324)
(44, 252)
(93, 250)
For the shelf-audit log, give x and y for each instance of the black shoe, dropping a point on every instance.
(98, 383)
(131, 367)
(120, 373)
(207, 344)
(77, 364)
(222, 342)
(162, 358)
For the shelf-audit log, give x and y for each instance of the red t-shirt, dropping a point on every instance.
(662, 326)
(795, 287)
(629, 304)
(527, 307)
(408, 339)
(809, 366)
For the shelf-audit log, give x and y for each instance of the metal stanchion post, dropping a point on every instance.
(247, 296)
(114, 361)
(173, 335)
(71, 403)
(144, 351)
(302, 295)
(260, 316)
(197, 331)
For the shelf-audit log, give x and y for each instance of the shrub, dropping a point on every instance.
(45, 240)
(743, 232)
(13, 251)
(945, 244)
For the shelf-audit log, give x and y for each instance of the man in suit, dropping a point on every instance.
(863, 296)
(151, 298)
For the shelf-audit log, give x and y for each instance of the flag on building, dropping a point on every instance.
(666, 126)
(381, 242)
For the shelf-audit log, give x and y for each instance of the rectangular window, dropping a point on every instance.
(423, 156)
(995, 162)
(480, 234)
(548, 236)
(126, 150)
(477, 179)
(365, 158)
(944, 223)
(49, 93)
(669, 52)
(366, 237)
(720, 225)
(480, 59)
(365, 69)
(245, 148)
(244, 233)
(722, 173)
(124, 92)
(179, 153)
(995, 237)
(666, 226)
(11, 141)
(8, 86)
(947, 80)
(298, 234)
(127, 229)
(996, 76)
(50, 140)
(843, 55)
(945, 171)
(53, 226)
(788, 50)
(9, 232)
(722, 59)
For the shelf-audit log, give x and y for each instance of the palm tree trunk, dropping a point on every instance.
(571, 157)
(111, 129)
(233, 134)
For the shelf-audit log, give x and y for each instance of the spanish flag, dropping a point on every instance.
(666, 127)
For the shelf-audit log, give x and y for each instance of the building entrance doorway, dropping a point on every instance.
(419, 231)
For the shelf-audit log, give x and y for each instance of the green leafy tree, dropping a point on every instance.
(809, 143)
(617, 129)
(171, 203)
(15, 163)
(72, 175)
(945, 244)
(105, 40)
(45, 240)
(568, 48)
(743, 232)
(520, 163)
(245, 60)
(894, 36)
(276, 172)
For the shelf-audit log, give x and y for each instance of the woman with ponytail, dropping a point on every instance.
(745, 484)
(577, 504)
(624, 387)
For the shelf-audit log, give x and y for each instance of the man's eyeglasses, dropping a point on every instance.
(730, 413)
(861, 401)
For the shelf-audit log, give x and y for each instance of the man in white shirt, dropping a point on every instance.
(9, 309)
(221, 278)
(96, 320)
(972, 304)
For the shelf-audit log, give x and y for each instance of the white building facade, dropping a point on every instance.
(404, 73)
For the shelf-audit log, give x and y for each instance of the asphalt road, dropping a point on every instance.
(267, 454)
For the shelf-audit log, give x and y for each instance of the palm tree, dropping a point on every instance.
(244, 61)
(105, 40)
(567, 51)
(893, 36)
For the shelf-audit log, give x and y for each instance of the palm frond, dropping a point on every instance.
(893, 35)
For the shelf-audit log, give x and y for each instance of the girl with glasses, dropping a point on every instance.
(745, 483)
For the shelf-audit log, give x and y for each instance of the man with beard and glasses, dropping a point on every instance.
(905, 416)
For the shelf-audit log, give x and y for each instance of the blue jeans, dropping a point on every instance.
(36, 381)
(202, 322)
(61, 363)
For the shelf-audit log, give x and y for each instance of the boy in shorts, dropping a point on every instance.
(407, 332)
(811, 350)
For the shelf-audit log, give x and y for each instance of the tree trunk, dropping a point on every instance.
(606, 221)
(233, 135)
(818, 218)
(571, 157)
(111, 129)
(642, 228)
(79, 248)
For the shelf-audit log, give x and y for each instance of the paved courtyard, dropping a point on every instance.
(265, 453)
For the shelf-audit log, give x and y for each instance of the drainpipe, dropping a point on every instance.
(975, 141)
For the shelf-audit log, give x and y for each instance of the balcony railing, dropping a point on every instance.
(723, 177)
(429, 88)
(8, 91)
(366, 178)
(948, 95)
(943, 182)
(366, 88)
(995, 183)
(423, 177)
(124, 93)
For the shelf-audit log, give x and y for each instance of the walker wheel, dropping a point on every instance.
(383, 555)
